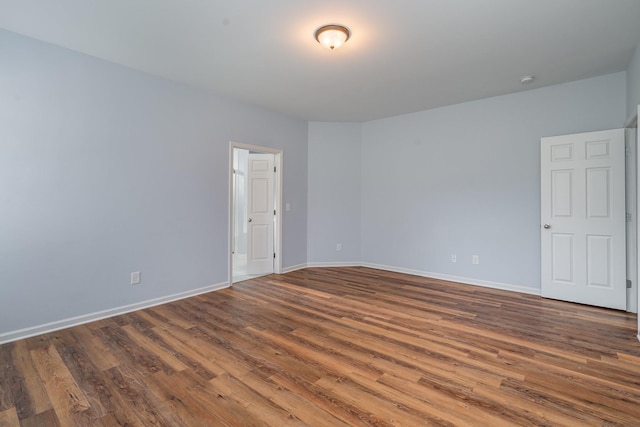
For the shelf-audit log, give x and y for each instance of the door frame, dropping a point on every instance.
(633, 123)
(277, 238)
(631, 179)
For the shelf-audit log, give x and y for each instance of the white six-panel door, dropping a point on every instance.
(260, 214)
(583, 218)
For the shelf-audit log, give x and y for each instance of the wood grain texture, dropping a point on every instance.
(333, 347)
(9, 418)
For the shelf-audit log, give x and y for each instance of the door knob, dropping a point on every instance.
(547, 226)
(250, 220)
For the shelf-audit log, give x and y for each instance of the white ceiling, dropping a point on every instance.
(404, 55)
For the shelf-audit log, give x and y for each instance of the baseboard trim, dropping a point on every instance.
(334, 264)
(99, 315)
(459, 279)
(293, 268)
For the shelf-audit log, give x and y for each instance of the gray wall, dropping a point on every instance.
(334, 192)
(633, 84)
(105, 171)
(461, 180)
(465, 179)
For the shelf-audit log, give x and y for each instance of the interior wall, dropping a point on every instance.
(105, 170)
(334, 193)
(465, 180)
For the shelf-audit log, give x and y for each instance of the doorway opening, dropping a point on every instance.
(255, 225)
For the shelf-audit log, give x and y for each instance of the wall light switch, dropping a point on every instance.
(338, 246)
(287, 207)
(454, 258)
(475, 259)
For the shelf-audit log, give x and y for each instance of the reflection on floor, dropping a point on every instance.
(240, 268)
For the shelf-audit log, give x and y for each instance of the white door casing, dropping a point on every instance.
(638, 201)
(583, 218)
(260, 214)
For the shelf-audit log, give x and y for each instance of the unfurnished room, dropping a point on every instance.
(338, 213)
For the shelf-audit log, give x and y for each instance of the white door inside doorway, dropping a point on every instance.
(260, 214)
(583, 218)
(238, 219)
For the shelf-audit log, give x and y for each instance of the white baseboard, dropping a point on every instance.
(293, 268)
(465, 280)
(320, 265)
(334, 264)
(92, 317)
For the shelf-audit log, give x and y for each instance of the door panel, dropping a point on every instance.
(562, 193)
(599, 261)
(260, 214)
(583, 213)
(562, 258)
(598, 192)
(260, 243)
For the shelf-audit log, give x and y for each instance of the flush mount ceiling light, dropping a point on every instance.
(332, 36)
(526, 80)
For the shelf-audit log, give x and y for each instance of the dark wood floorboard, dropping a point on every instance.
(333, 347)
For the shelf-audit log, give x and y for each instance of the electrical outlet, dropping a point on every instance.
(338, 246)
(454, 258)
(135, 277)
(475, 259)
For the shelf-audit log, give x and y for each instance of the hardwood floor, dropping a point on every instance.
(333, 347)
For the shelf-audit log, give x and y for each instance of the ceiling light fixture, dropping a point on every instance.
(332, 36)
(526, 80)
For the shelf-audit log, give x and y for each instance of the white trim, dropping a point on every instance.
(631, 205)
(279, 162)
(242, 278)
(635, 121)
(294, 268)
(334, 264)
(458, 279)
(99, 315)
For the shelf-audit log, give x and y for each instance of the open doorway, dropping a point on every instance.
(255, 183)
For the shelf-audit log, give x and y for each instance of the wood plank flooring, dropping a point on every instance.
(333, 347)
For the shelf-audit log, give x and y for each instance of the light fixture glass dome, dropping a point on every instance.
(332, 36)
